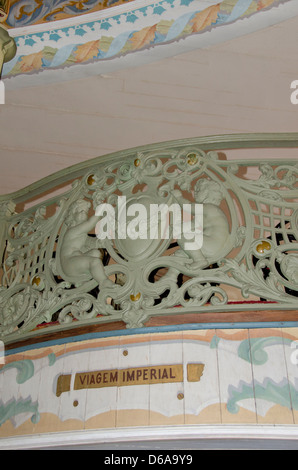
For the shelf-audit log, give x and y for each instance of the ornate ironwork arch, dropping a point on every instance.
(55, 268)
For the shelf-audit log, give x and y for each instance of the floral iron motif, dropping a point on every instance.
(55, 268)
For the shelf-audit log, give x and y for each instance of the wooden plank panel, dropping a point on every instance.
(45, 388)
(273, 402)
(101, 403)
(10, 396)
(73, 403)
(290, 343)
(250, 316)
(133, 401)
(167, 399)
(191, 318)
(202, 399)
(235, 377)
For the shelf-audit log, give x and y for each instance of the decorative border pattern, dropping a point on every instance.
(132, 30)
(29, 12)
(248, 377)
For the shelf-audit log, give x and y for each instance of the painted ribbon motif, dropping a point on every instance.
(166, 29)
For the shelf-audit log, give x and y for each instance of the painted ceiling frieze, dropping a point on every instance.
(120, 31)
(29, 12)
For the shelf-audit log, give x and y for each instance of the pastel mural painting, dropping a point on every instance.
(51, 36)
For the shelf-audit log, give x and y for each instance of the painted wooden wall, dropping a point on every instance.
(238, 377)
(241, 85)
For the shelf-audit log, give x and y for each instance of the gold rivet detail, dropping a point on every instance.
(134, 298)
(192, 159)
(75, 403)
(263, 246)
(90, 180)
(125, 352)
(137, 162)
(180, 396)
(36, 281)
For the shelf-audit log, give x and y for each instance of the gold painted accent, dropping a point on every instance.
(131, 376)
(194, 372)
(63, 384)
(137, 162)
(134, 298)
(192, 159)
(180, 396)
(263, 246)
(90, 180)
(36, 281)
(125, 352)
(75, 403)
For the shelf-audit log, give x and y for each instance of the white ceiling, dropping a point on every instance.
(241, 85)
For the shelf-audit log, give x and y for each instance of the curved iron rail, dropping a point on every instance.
(57, 273)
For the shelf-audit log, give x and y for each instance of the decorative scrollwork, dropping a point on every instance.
(57, 269)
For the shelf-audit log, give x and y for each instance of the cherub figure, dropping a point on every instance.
(8, 45)
(215, 224)
(215, 227)
(75, 258)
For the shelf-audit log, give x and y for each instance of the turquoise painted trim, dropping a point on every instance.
(155, 329)
(55, 43)
(239, 9)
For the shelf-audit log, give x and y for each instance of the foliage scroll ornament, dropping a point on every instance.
(56, 271)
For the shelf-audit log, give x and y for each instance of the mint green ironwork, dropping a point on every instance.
(250, 238)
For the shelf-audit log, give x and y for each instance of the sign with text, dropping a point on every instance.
(132, 376)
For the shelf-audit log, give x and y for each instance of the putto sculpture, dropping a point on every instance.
(8, 46)
(215, 225)
(76, 258)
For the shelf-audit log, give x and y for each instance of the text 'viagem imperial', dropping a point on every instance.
(131, 376)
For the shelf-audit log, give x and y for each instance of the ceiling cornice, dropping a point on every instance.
(133, 33)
